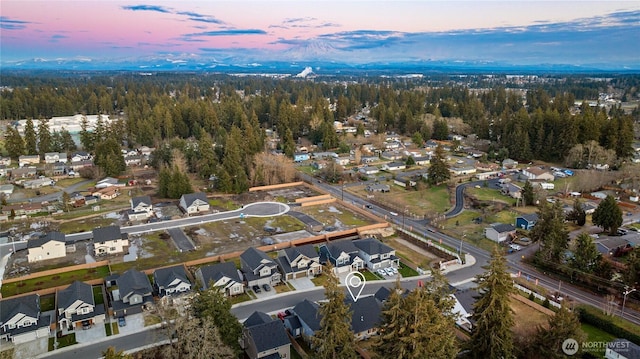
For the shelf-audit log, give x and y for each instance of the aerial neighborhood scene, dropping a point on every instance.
(319, 180)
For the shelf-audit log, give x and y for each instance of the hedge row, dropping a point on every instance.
(607, 325)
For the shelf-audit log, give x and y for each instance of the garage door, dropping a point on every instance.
(300, 274)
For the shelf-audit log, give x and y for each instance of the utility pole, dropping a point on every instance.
(624, 300)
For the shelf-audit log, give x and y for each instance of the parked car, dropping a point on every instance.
(86, 324)
(381, 272)
(122, 322)
(256, 289)
(266, 287)
(389, 271)
(394, 270)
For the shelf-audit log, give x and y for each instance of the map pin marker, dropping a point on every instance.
(355, 284)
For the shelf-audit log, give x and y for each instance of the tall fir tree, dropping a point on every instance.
(212, 304)
(586, 257)
(334, 339)
(44, 137)
(491, 336)
(14, 144)
(86, 136)
(528, 196)
(439, 170)
(551, 232)
(30, 139)
(547, 343)
(608, 215)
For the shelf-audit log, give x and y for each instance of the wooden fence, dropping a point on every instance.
(57, 271)
(275, 186)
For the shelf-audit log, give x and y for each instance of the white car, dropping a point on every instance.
(394, 270)
(381, 272)
(393, 213)
(389, 271)
(515, 247)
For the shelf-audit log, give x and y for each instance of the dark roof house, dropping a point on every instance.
(171, 280)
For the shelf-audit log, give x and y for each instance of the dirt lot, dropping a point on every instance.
(18, 265)
(527, 319)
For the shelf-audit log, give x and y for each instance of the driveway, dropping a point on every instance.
(302, 283)
(135, 323)
(181, 240)
(31, 349)
(264, 294)
(96, 332)
(304, 218)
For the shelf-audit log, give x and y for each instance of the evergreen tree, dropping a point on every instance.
(13, 143)
(586, 257)
(491, 337)
(394, 326)
(439, 170)
(66, 198)
(213, 304)
(528, 196)
(86, 137)
(30, 139)
(631, 275)
(334, 339)
(608, 215)
(112, 353)
(548, 341)
(410, 161)
(164, 178)
(440, 130)
(550, 231)
(44, 138)
(577, 214)
(109, 157)
(67, 143)
(207, 156)
(288, 145)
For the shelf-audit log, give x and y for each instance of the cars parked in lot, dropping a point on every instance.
(122, 322)
(256, 289)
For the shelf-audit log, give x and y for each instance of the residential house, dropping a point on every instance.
(145, 151)
(376, 254)
(422, 160)
(324, 155)
(538, 173)
(258, 268)
(90, 200)
(622, 349)
(107, 182)
(50, 246)
(378, 188)
(500, 232)
(462, 170)
(21, 320)
(5, 161)
(26, 160)
(38, 183)
(109, 240)
(526, 221)
(4, 170)
(391, 155)
(192, 203)
(342, 160)
(53, 157)
(265, 337)
(171, 280)
(512, 190)
(304, 321)
(368, 159)
(80, 156)
(369, 170)
(318, 165)
(77, 307)
(22, 172)
(223, 275)
(612, 245)
(78, 165)
(135, 160)
(141, 208)
(21, 209)
(301, 156)
(394, 166)
(366, 316)
(133, 293)
(296, 262)
(343, 255)
(6, 190)
(107, 193)
(56, 169)
(508, 164)
(404, 182)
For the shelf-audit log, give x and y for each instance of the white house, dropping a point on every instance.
(376, 254)
(26, 160)
(109, 240)
(394, 166)
(369, 170)
(77, 307)
(194, 203)
(223, 275)
(499, 232)
(53, 157)
(141, 208)
(21, 321)
(49, 246)
(171, 280)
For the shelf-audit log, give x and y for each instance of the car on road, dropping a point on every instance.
(369, 206)
(122, 322)
(393, 213)
(515, 247)
(266, 287)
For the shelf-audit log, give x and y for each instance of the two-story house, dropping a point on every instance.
(21, 320)
(109, 240)
(500, 232)
(53, 157)
(343, 255)
(527, 221)
(133, 292)
(27, 160)
(171, 280)
(141, 208)
(304, 321)
(50, 246)
(258, 268)
(77, 307)
(366, 316)
(222, 275)
(296, 262)
(376, 254)
(192, 203)
(265, 337)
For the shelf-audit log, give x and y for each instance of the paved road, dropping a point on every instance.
(305, 218)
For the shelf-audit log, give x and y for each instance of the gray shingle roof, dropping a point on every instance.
(530, 217)
(51, 236)
(307, 312)
(164, 276)
(253, 258)
(366, 313)
(257, 318)
(217, 271)
(133, 281)
(135, 201)
(307, 250)
(382, 294)
(103, 234)
(269, 335)
(189, 198)
(372, 246)
(503, 227)
(27, 305)
(77, 290)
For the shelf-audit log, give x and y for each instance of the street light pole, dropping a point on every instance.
(624, 300)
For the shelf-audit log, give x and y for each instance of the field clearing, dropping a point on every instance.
(527, 319)
(488, 194)
(420, 258)
(333, 214)
(425, 201)
(85, 225)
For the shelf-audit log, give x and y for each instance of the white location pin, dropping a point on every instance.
(355, 284)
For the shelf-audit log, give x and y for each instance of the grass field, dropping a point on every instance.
(411, 255)
(527, 319)
(47, 302)
(85, 225)
(226, 205)
(489, 194)
(332, 213)
(30, 285)
(426, 201)
(406, 271)
(595, 334)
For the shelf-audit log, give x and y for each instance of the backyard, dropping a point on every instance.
(54, 280)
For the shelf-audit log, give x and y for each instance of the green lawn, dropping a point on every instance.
(320, 280)
(226, 205)
(30, 285)
(85, 225)
(47, 302)
(63, 341)
(239, 298)
(115, 329)
(107, 329)
(370, 275)
(406, 271)
(595, 334)
(97, 295)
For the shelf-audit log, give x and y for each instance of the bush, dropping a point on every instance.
(532, 297)
(546, 303)
(607, 325)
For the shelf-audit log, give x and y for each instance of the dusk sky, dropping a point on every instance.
(519, 31)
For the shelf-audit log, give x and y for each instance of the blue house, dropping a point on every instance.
(300, 156)
(526, 221)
